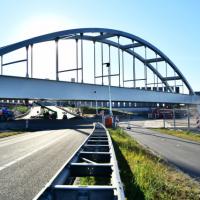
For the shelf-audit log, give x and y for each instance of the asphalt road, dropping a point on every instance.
(28, 161)
(182, 153)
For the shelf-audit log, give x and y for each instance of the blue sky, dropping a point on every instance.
(171, 25)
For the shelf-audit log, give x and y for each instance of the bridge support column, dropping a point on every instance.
(31, 60)
(27, 74)
(81, 58)
(102, 65)
(57, 62)
(104, 103)
(115, 104)
(188, 116)
(121, 104)
(119, 61)
(123, 68)
(134, 83)
(145, 69)
(77, 60)
(174, 116)
(156, 76)
(94, 62)
(1, 65)
(126, 104)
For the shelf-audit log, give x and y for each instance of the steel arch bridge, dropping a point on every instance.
(125, 43)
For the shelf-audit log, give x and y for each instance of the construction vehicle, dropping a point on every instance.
(6, 115)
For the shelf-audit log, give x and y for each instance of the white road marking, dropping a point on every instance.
(29, 154)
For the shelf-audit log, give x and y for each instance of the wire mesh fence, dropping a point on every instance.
(187, 118)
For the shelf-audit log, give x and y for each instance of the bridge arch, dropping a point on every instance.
(106, 36)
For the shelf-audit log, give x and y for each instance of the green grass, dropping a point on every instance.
(146, 176)
(92, 110)
(7, 134)
(189, 135)
(21, 109)
(94, 181)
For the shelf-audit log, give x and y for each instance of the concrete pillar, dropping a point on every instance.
(104, 103)
(126, 104)
(115, 104)
(121, 104)
(188, 115)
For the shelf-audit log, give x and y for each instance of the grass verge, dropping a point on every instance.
(189, 135)
(145, 176)
(7, 134)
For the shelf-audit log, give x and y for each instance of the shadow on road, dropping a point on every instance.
(84, 132)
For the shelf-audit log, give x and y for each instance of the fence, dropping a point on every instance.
(187, 118)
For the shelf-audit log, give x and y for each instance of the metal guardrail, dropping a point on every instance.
(96, 158)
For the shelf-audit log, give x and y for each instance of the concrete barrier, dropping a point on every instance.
(40, 124)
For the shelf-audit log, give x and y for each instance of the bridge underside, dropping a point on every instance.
(24, 88)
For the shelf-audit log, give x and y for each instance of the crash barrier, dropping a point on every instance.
(95, 158)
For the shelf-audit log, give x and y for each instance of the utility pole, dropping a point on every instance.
(109, 90)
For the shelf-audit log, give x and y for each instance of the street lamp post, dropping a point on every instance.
(109, 91)
(96, 103)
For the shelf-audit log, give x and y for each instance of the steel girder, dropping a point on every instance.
(103, 38)
(31, 88)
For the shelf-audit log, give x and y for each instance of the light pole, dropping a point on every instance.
(96, 103)
(109, 83)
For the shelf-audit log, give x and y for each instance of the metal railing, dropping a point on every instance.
(95, 158)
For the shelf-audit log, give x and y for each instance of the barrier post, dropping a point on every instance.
(27, 124)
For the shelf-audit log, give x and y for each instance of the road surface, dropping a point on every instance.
(28, 161)
(182, 153)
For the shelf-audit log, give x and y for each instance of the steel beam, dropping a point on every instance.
(119, 61)
(145, 69)
(102, 65)
(69, 70)
(1, 65)
(171, 78)
(61, 186)
(131, 52)
(27, 73)
(14, 62)
(31, 60)
(94, 62)
(57, 60)
(134, 45)
(107, 75)
(134, 75)
(152, 60)
(82, 58)
(24, 88)
(69, 33)
(103, 36)
(77, 60)
(74, 192)
(123, 68)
